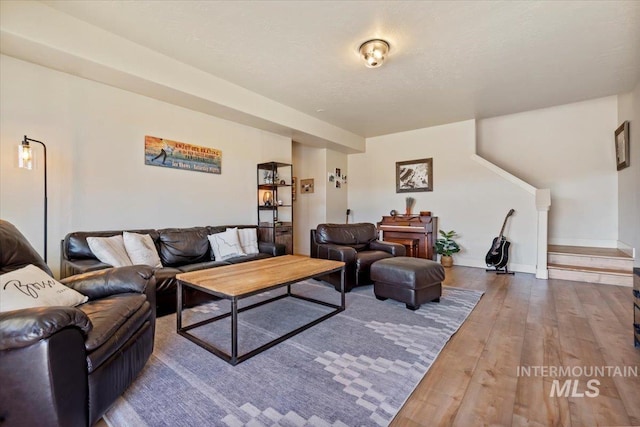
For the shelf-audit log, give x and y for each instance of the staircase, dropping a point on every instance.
(608, 266)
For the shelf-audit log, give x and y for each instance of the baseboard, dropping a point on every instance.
(629, 250)
(542, 273)
(592, 243)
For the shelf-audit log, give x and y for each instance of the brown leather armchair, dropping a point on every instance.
(65, 366)
(356, 245)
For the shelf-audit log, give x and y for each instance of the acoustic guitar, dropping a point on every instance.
(498, 255)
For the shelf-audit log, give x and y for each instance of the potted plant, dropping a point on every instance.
(446, 247)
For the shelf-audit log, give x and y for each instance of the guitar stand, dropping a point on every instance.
(500, 271)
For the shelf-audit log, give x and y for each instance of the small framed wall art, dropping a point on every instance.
(622, 146)
(306, 185)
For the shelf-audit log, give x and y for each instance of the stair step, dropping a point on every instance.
(605, 276)
(604, 262)
(588, 251)
(591, 269)
(609, 266)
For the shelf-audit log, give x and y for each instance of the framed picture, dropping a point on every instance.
(622, 146)
(294, 182)
(306, 185)
(180, 155)
(414, 175)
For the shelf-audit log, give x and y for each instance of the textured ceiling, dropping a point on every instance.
(449, 60)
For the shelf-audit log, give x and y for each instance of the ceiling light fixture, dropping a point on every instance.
(374, 52)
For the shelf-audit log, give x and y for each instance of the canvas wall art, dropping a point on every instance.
(180, 155)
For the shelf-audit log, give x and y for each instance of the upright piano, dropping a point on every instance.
(402, 227)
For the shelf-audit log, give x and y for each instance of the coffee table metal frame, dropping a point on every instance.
(234, 358)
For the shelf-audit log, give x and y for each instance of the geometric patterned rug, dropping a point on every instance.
(354, 369)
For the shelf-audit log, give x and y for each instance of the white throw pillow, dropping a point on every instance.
(226, 245)
(248, 239)
(110, 250)
(141, 249)
(31, 287)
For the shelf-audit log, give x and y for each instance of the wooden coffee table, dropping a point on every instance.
(234, 282)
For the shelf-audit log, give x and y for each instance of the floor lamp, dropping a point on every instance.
(25, 161)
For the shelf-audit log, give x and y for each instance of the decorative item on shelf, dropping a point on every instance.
(266, 176)
(267, 198)
(446, 247)
(283, 182)
(279, 202)
(25, 161)
(393, 212)
(409, 202)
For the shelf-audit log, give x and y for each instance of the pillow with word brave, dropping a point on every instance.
(110, 250)
(141, 249)
(30, 287)
(226, 245)
(248, 240)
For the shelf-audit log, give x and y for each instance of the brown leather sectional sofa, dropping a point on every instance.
(180, 250)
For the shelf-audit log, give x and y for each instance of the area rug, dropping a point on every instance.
(354, 369)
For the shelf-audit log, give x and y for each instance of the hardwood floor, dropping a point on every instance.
(525, 322)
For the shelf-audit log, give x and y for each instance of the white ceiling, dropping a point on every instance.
(449, 61)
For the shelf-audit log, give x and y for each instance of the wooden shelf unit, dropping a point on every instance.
(275, 220)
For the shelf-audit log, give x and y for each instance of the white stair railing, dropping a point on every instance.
(543, 203)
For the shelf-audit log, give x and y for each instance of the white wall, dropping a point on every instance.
(327, 204)
(467, 197)
(568, 149)
(97, 176)
(309, 209)
(336, 197)
(629, 178)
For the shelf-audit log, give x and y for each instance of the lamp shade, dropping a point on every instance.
(267, 198)
(25, 156)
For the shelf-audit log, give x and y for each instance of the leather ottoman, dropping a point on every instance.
(412, 281)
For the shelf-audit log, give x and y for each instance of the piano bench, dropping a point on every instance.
(413, 281)
(411, 245)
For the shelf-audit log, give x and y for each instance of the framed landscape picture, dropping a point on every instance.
(622, 146)
(414, 175)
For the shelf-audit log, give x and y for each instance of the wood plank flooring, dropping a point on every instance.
(525, 322)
